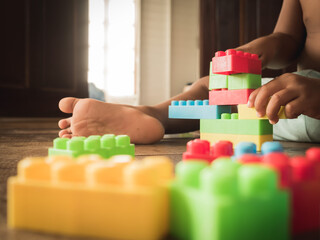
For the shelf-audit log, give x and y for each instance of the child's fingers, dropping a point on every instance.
(262, 98)
(294, 108)
(252, 98)
(277, 100)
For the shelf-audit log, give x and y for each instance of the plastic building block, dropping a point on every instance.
(106, 146)
(249, 148)
(300, 175)
(269, 147)
(115, 199)
(249, 158)
(200, 150)
(227, 201)
(222, 149)
(234, 81)
(244, 81)
(313, 154)
(251, 113)
(232, 62)
(198, 109)
(218, 81)
(279, 162)
(229, 97)
(305, 195)
(226, 125)
(245, 148)
(235, 139)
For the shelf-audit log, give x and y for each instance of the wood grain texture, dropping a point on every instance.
(23, 137)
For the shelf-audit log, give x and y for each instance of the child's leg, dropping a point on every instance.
(304, 128)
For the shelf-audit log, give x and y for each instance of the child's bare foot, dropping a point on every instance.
(92, 117)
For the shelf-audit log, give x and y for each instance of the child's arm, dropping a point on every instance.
(283, 46)
(299, 95)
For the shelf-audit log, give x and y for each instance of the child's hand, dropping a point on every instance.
(299, 95)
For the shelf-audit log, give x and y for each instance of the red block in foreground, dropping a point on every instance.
(229, 97)
(300, 175)
(232, 62)
(200, 150)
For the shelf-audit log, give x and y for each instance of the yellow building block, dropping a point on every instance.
(235, 139)
(250, 113)
(114, 199)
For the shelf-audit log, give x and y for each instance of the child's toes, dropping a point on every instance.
(64, 123)
(67, 136)
(67, 104)
(65, 132)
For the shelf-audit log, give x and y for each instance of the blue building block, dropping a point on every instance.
(245, 148)
(198, 109)
(269, 147)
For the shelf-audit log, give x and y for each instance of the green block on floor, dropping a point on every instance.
(217, 81)
(106, 146)
(230, 124)
(227, 201)
(244, 81)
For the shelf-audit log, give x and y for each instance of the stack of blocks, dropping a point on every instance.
(234, 75)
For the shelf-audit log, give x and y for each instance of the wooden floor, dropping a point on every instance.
(21, 138)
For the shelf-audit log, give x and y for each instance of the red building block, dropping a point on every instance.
(200, 150)
(280, 162)
(222, 149)
(249, 158)
(232, 62)
(305, 195)
(229, 97)
(301, 175)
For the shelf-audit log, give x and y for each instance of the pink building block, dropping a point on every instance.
(229, 97)
(232, 62)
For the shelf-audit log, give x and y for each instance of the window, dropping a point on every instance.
(112, 49)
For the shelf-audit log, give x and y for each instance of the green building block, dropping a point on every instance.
(227, 201)
(230, 124)
(106, 146)
(244, 81)
(217, 81)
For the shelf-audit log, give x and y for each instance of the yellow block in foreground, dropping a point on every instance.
(113, 199)
(235, 139)
(250, 113)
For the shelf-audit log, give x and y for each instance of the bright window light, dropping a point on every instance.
(112, 46)
(96, 43)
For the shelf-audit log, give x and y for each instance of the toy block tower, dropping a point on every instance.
(233, 76)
